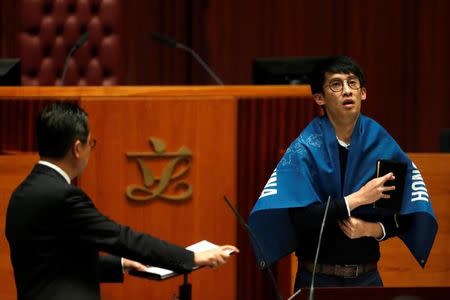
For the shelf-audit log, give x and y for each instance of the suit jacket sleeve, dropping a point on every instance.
(84, 222)
(109, 268)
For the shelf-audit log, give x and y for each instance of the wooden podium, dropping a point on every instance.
(164, 159)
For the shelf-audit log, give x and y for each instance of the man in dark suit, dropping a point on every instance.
(55, 232)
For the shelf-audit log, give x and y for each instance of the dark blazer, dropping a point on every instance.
(55, 233)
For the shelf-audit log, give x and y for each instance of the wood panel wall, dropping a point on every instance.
(205, 126)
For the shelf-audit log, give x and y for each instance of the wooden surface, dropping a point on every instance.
(208, 129)
(162, 91)
(204, 119)
(397, 266)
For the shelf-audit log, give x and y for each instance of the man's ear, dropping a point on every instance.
(76, 149)
(363, 93)
(318, 97)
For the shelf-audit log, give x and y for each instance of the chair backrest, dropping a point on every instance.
(50, 28)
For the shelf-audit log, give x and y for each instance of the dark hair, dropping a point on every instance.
(334, 64)
(58, 126)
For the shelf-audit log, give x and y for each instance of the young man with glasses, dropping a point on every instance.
(334, 158)
(55, 232)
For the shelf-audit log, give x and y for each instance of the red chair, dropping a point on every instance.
(49, 29)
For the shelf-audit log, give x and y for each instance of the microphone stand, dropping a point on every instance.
(201, 62)
(174, 44)
(185, 290)
(263, 263)
(311, 289)
(66, 65)
(81, 40)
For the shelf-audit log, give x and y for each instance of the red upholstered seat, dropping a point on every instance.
(49, 28)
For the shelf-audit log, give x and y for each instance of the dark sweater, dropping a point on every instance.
(336, 247)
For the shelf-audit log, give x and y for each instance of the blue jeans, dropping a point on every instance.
(303, 279)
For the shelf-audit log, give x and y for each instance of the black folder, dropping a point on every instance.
(394, 203)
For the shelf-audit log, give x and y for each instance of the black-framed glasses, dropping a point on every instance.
(337, 85)
(92, 143)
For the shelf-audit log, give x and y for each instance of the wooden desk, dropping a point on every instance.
(397, 265)
(230, 132)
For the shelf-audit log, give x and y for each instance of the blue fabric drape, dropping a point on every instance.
(309, 172)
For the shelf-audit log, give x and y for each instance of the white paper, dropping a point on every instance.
(197, 247)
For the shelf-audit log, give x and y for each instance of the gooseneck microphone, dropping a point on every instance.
(263, 263)
(311, 288)
(174, 44)
(80, 42)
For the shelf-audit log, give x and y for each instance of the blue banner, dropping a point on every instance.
(309, 172)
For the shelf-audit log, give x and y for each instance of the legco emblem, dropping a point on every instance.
(170, 185)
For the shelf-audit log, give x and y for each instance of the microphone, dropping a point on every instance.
(311, 288)
(263, 263)
(80, 42)
(174, 44)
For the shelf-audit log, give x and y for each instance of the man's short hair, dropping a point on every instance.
(334, 64)
(58, 127)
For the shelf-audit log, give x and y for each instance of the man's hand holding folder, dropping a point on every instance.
(206, 254)
(214, 257)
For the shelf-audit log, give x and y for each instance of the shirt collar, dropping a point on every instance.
(342, 143)
(56, 168)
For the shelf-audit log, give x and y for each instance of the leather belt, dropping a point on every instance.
(346, 271)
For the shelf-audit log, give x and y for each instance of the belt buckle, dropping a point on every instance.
(355, 274)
